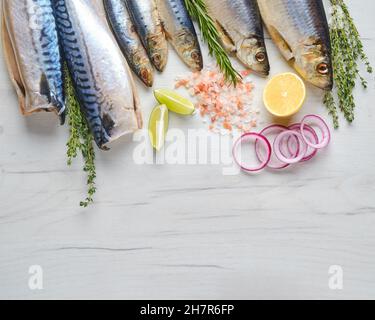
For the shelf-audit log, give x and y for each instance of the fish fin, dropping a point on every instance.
(137, 103)
(62, 118)
(225, 38)
(167, 35)
(60, 108)
(137, 110)
(44, 88)
(12, 65)
(282, 44)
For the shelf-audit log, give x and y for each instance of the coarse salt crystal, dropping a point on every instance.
(226, 107)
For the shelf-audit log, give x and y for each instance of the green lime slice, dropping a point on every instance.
(158, 126)
(175, 102)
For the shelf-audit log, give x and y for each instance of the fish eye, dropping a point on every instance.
(194, 56)
(145, 74)
(156, 58)
(260, 57)
(322, 68)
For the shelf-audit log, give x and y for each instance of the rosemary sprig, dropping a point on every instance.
(80, 139)
(347, 51)
(198, 11)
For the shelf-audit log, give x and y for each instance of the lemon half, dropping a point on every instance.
(284, 94)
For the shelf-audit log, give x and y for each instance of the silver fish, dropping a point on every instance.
(241, 31)
(180, 31)
(100, 74)
(128, 40)
(300, 30)
(147, 22)
(33, 57)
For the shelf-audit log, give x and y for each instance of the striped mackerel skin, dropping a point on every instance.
(32, 30)
(99, 71)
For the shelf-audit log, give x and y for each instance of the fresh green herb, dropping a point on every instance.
(198, 10)
(347, 51)
(80, 139)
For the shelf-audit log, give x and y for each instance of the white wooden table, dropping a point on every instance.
(183, 231)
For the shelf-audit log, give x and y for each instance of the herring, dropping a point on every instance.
(148, 25)
(300, 30)
(180, 31)
(241, 31)
(31, 50)
(128, 40)
(100, 73)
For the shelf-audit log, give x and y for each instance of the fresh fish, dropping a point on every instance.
(300, 30)
(33, 57)
(180, 31)
(128, 40)
(100, 74)
(147, 22)
(241, 31)
(12, 66)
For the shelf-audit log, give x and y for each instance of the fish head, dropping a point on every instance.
(252, 52)
(313, 62)
(141, 64)
(158, 50)
(147, 75)
(193, 58)
(189, 49)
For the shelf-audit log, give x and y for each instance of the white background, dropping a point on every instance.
(188, 231)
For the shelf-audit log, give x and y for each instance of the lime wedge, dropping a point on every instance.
(174, 102)
(158, 126)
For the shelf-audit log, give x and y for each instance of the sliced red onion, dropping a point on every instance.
(323, 127)
(257, 138)
(274, 162)
(278, 143)
(310, 134)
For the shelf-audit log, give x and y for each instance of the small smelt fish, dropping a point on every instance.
(147, 22)
(128, 40)
(100, 74)
(241, 31)
(300, 30)
(32, 53)
(180, 31)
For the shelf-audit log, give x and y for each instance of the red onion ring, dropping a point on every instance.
(274, 162)
(277, 147)
(323, 127)
(257, 137)
(310, 134)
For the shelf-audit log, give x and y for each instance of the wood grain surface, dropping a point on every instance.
(188, 231)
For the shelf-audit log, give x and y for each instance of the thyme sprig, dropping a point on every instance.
(80, 139)
(347, 52)
(198, 11)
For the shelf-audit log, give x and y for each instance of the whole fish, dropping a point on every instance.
(180, 31)
(33, 56)
(128, 40)
(99, 71)
(241, 30)
(147, 22)
(12, 65)
(300, 30)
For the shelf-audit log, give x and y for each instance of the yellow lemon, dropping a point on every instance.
(158, 126)
(175, 102)
(284, 94)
